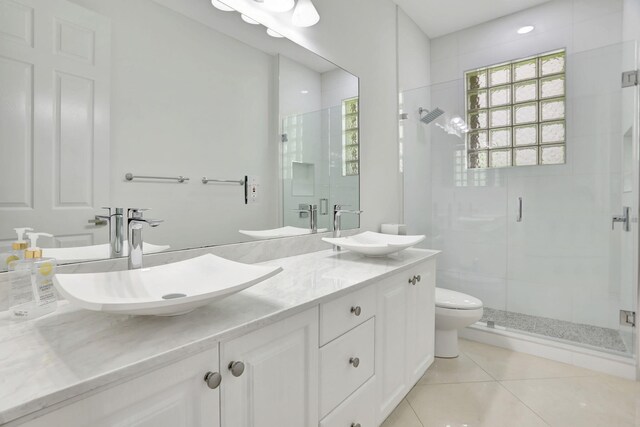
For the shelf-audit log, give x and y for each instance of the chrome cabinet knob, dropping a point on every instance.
(355, 425)
(418, 278)
(356, 310)
(236, 368)
(355, 362)
(413, 280)
(213, 379)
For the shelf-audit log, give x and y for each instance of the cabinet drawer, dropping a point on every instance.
(359, 408)
(345, 313)
(339, 376)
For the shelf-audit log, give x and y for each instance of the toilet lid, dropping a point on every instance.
(457, 300)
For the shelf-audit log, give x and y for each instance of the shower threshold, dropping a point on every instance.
(593, 336)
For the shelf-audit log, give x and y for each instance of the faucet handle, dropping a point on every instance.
(112, 210)
(136, 212)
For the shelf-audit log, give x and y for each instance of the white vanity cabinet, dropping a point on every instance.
(173, 396)
(404, 333)
(348, 360)
(266, 378)
(278, 385)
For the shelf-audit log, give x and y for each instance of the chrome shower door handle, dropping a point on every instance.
(324, 206)
(625, 219)
(519, 216)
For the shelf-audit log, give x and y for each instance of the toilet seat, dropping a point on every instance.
(448, 299)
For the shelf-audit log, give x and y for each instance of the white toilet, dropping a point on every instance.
(454, 310)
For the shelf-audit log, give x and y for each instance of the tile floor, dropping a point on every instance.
(494, 387)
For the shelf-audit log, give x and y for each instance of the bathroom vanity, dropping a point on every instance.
(336, 339)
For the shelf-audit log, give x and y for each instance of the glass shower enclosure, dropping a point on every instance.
(319, 161)
(537, 244)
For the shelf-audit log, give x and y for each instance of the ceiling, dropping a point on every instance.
(439, 17)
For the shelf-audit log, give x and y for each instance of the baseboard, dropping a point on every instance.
(611, 364)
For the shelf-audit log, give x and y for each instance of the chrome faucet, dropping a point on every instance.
(312, 210)
(115, 220)
(135, 222)
(337, 215)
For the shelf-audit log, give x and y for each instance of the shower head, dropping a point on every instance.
(430, 115)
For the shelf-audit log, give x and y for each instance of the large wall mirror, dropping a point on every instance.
(219, 129)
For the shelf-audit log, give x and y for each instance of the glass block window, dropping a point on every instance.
(350, 137)
(516, 113)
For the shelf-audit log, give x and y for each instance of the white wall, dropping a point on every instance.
(561, 261)
(296, 78)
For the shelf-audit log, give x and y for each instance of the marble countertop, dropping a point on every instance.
(73, 351)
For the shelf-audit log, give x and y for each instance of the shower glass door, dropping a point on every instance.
(569, 271)
(559, 271)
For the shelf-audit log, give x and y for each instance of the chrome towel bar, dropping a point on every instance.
(130, 177)
(206, 180)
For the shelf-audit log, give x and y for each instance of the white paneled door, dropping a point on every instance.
(54, 118)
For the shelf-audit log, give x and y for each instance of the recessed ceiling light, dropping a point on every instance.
(248, 20)
(274, 34)
(305, 14)
(304, 92)
(526, 29)
(221, 6)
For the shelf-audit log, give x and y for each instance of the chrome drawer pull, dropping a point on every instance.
(356, 310)
(355, 362)
(213, 379)
(236, 368)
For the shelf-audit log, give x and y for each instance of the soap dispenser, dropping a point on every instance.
(33, 293)
(17, 249)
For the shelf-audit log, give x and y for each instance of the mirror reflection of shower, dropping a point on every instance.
(429, 116)
(454, 125)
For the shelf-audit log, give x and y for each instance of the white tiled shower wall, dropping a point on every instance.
(563, 261)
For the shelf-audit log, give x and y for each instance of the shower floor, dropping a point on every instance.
(596, 336)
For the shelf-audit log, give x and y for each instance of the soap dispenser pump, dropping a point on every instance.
(17, 249)
(33, 293)
(33, 252)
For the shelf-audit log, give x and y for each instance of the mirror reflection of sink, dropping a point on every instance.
(165, 290)
(96, 252)
(287, 231)
(375, 244)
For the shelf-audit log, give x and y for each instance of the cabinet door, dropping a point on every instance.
(173, 396)
(391, 343)
(421, 322)
(279, 384)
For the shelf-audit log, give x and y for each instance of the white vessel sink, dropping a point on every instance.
(96, 252)
(375, 244)
(165, 290)
(287, 231)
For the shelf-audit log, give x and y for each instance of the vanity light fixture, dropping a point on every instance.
(248, 20)
(274, 34)
(526, 29)
(221, 6)
(305, 14)
(279, 5)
